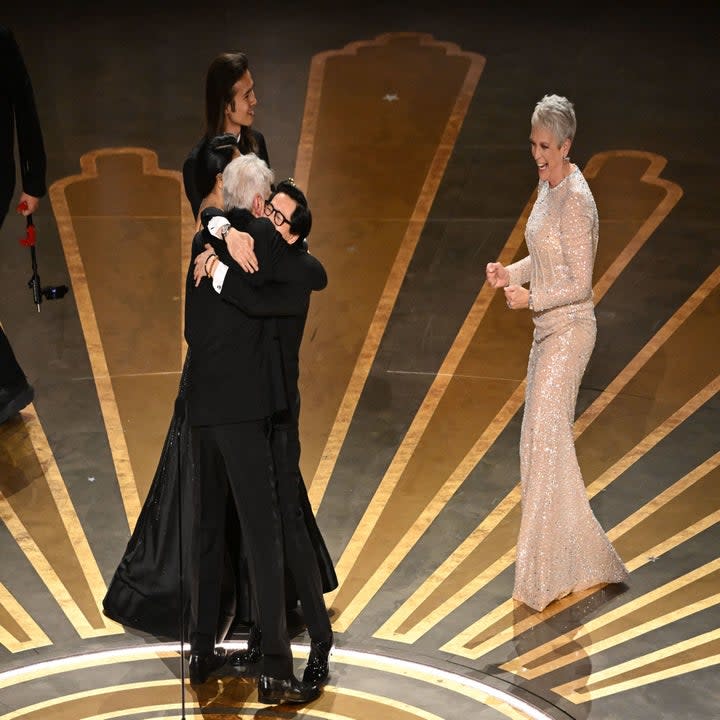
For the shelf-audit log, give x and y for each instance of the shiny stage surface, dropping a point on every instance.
(408, 128)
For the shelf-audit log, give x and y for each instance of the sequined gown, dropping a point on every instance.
(561, 547)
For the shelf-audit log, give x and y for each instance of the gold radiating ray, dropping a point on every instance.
(18, 631)
(675, 515)
(368, 224)
(477, 391)
(471, 566)
(668, 520)
(662, 384)
(687, 656)
(38, 511)
(123, 200)
(691, 593)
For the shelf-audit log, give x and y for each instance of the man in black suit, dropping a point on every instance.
(229, 108)
(231, 397)
(17, 112)
(287, 299)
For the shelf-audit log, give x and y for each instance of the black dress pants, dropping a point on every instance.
(233, 464)
(300, 557)
(11, 375)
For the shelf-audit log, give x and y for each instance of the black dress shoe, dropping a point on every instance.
(317, 670)
(14, 399)
(274, 691)
(202, 665)
(253, 654)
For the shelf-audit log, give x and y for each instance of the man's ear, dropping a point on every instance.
(258, 205)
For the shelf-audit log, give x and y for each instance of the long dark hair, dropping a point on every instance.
(212, 159)
(224, 71)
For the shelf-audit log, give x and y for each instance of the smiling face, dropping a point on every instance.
(548, 155)
(284, 205)
(241, 111)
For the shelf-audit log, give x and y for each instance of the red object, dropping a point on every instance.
(30, 237)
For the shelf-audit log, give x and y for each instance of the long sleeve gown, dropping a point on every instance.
(561, 547)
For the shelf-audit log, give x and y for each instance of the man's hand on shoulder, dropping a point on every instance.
(241, 247)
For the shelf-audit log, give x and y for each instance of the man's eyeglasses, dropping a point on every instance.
(277, 217)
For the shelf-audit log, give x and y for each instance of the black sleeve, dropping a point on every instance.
(304, 273)
(262, 151)
(33, 162)
(190, 290)
(209, 213)
(316, 274)
(272, 300)
(267, 245)
(188, 171)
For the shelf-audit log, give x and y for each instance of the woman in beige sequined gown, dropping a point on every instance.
(561, 547)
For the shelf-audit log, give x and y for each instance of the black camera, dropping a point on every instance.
(49, 292)
(54, 292)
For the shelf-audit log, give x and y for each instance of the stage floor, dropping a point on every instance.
(408, 129)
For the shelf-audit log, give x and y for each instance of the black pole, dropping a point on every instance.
(35, 279)
(180, 420)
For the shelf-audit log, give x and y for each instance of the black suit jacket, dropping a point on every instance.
(285, 297)
(229, 378)
(188, 170)
(17, 110)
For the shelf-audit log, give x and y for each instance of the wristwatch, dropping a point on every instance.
(224, 230)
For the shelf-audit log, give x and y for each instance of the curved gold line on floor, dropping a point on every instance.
(350, 608)
(358, 705)
(492, 698)
(415, 224)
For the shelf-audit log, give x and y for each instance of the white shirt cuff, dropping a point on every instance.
(216, 224)
(219, 276)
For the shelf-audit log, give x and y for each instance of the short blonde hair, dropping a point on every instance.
(243, 178)
(556, 114)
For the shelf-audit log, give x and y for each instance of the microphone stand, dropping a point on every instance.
(29, 241)
(180, 418)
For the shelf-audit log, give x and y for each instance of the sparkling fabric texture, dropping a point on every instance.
(561, 547)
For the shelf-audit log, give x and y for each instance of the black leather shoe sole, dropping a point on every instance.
(201, 666)
(272, 691)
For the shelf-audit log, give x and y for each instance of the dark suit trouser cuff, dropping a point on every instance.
(202, 644)
(278, 666)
